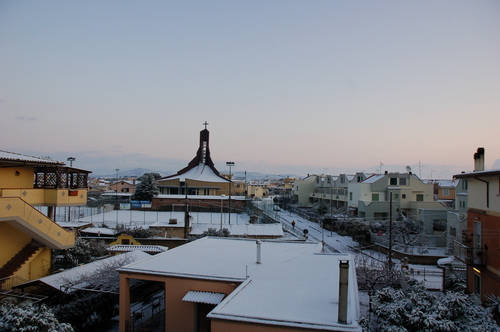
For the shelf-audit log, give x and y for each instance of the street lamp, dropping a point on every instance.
(71, 160)
(116, 195)
(230, 164)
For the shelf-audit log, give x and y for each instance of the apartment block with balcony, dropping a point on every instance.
(410, 196)
(27, 236)
(481, 247)
(456, 223)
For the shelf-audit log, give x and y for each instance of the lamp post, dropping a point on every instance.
(71, 160)
(116, 195)
(230, 164)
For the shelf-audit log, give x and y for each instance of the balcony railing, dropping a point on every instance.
(470, 256)
(60, 177)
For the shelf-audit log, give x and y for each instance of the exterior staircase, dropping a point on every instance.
(18, 260)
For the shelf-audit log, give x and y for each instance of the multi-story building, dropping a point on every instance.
(27, 235)
(457, 218)
(410, 196)
(124, 186)
(481, 250)
(303, 188)
(257, 191)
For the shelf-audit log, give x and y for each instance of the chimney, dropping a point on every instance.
(343, 283)
(259, 250)
(479, 160)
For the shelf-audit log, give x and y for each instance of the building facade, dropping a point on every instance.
(481, 250)
(27, 236)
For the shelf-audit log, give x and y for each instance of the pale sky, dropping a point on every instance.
(285, 85)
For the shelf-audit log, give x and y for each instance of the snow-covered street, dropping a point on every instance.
(431, 275)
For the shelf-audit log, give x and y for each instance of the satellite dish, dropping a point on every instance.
(408, 169)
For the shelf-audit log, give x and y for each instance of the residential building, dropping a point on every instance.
(481, 250)
(409, 195)
(456, 224)
(124, 186)
(27, 236)
(257, 191)
(303, 188)
(219, 285)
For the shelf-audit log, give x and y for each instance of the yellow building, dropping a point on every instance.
(257, 191)
(27, 235)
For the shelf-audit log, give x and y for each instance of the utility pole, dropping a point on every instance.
(186, 212)
(390, 231)
(116, 195)
(230, 164)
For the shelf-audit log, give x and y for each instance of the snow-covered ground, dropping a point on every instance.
(141, 218)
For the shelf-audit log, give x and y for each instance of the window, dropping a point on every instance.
(420, 197)
(453, 231)
(374, 196)
(395, 196)
(464, 184)
(403, 196)
(350, 196)
(446, 191)
(394, 181)
(402, 181)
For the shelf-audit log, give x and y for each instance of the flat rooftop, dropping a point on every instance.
(295, 285)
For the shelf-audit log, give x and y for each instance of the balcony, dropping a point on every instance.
(50, 197)
(470, 256)
(57, 186)
(60, 177)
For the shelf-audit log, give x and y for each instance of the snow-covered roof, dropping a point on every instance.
(242, 230)
(201, 172)
(374, 178)
(73, 224)
(12, 156)
(98, 231)
(134, 247)
(73, 275)
(217, 197)
(304, 283)
(304, 290)
(203, 297)
(476, 173)
(219, 258)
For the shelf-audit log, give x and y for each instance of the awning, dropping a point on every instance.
(203, 297)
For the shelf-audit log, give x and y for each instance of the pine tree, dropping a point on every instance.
(147, 189)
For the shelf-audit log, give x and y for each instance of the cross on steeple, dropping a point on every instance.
(205, 124)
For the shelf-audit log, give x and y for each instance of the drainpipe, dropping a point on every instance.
(343, 284)
(259, 250)
(487, 191)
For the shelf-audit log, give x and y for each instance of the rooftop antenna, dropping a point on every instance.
(419, 169)
(380, 168)
(408, 169)
(205, 124)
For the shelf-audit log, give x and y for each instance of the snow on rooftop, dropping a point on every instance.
(275, 229)
(73, 224)
(199, 173)
(12, 156)
(98, 231)
(75, 274)
(304, 291)
(374, 178)
(220, 258)
(304, 284)
(141, 247)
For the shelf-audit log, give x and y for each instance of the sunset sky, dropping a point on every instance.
(287, 86)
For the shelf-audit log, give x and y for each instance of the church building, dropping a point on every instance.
(204, 185)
